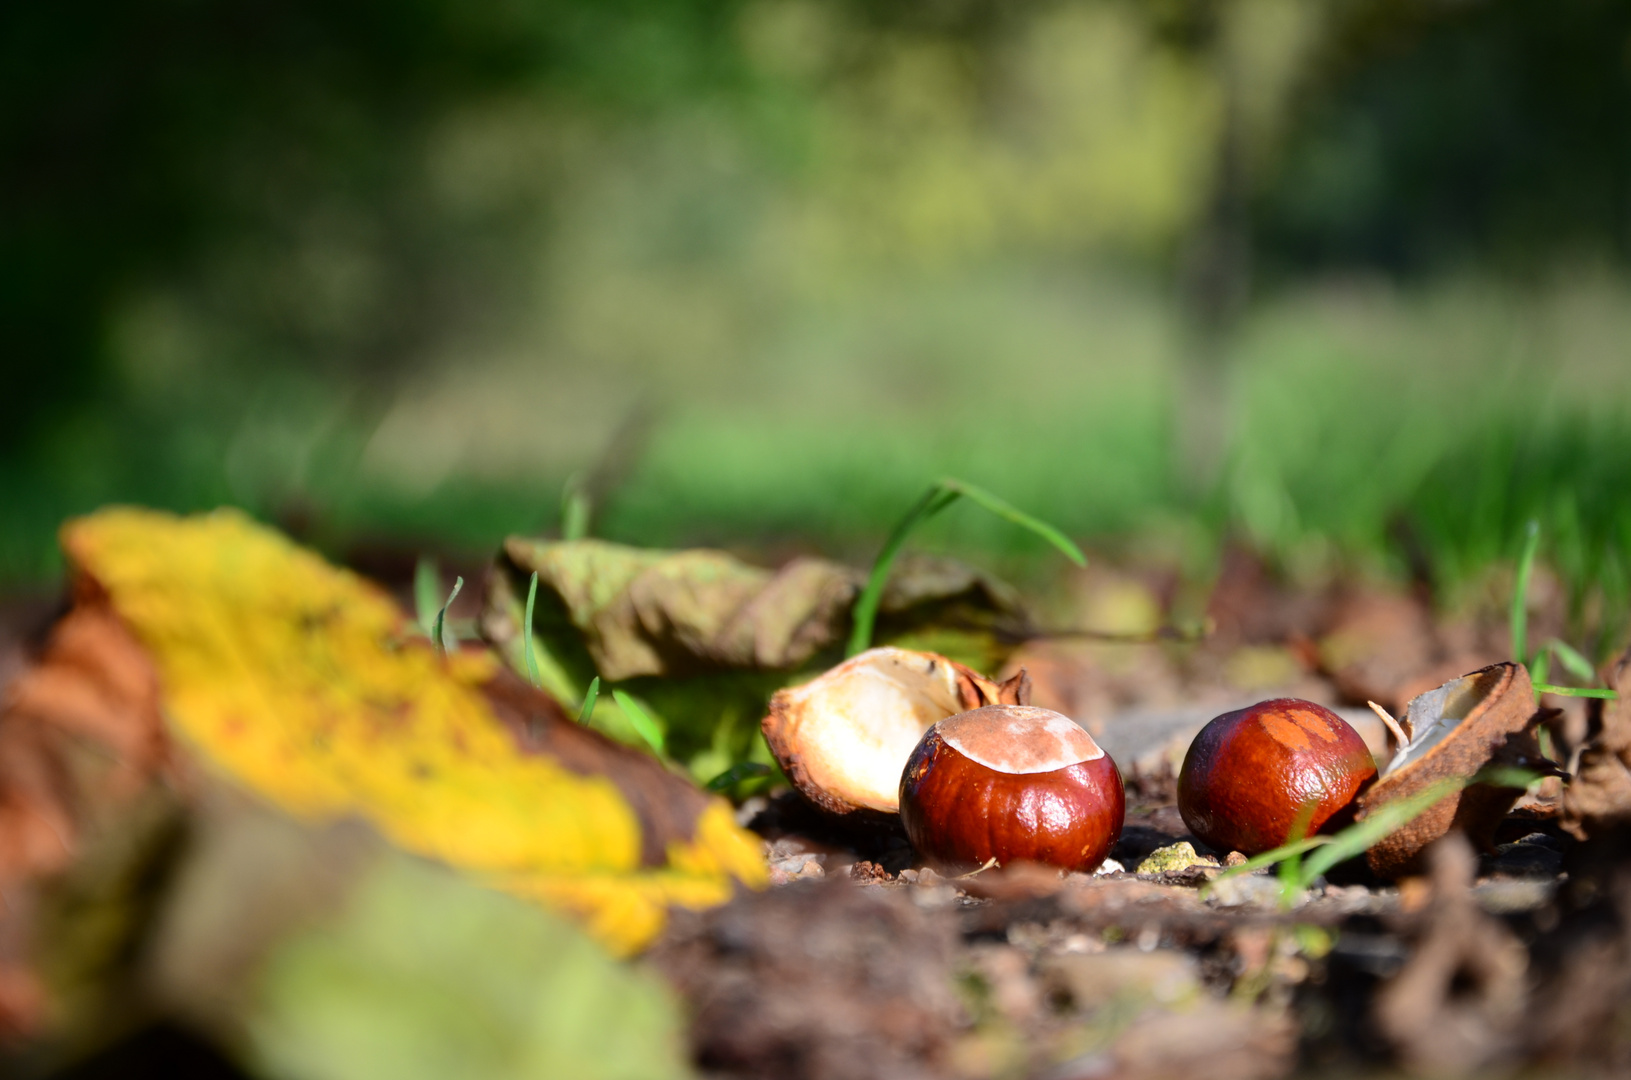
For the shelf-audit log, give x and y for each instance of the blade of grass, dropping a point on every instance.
(641, 720)
(1328, 851)
(1574, 663)
(427, 589)
(531, 655)
(1520, 592)
(575, 509)
(1291, 871)
(1269, 858)
(586, 711)
(1388, 819)
(1507, 776)
(1349, 842)
(1576, 691)
(937, 498)
(1010, 513)
(1540, 669)
(443, 635)
(742, 770)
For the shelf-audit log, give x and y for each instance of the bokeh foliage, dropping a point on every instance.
(374, 269)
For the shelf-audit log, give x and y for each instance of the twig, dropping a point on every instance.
(1392, 724)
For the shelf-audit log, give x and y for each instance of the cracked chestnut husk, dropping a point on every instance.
(1011, 783)
(844, 737)
(1486, 718)
(1255, 777)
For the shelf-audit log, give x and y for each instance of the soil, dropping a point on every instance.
(1491, 963)
(860, 961)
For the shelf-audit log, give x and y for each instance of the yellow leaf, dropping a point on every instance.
(303, 683)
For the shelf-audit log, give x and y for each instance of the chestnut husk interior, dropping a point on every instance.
(794, 710)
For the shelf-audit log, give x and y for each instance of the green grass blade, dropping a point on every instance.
(1269, 858)
(1356, 839)
(1520, 593)
(1013, 514)
(427, 590)
(1388, 819)
(1574, 663)
(574, 509)
(865, 616)
(1539, 669)
(742, 770)
(1576, 691)
(936, 499)
(1506, 776)
(443, 636)
(586, 711)
(644, 725)
(528, 647)
(1291, 871)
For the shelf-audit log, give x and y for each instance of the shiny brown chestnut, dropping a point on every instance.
(1011, 783)
(1254, 776)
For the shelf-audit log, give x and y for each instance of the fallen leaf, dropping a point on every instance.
(305, 684)
(424, 976)
(1597, 800)
(701, 638)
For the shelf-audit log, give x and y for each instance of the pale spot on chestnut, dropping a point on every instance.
(1019, 739)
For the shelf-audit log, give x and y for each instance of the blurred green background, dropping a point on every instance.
(1343, 279)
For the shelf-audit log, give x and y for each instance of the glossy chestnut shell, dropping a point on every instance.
(1254, 776)
(1011, 783)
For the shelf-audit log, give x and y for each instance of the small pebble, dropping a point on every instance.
(1179, 856)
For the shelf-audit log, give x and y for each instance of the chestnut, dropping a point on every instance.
(1011, 783)
(1254, 776)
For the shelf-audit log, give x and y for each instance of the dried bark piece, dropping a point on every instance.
(1480, 719)
(1597, 801)
(844, 737)
(1457, 1003)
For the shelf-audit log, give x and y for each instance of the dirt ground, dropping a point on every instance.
(861, 961)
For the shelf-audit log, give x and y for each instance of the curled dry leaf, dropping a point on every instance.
(636, 612)
(217, 641)
(1481, 719)
(1598, 800)
(703, 638)
(844, 737)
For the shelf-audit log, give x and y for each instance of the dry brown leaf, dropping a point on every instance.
(1598, 800)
